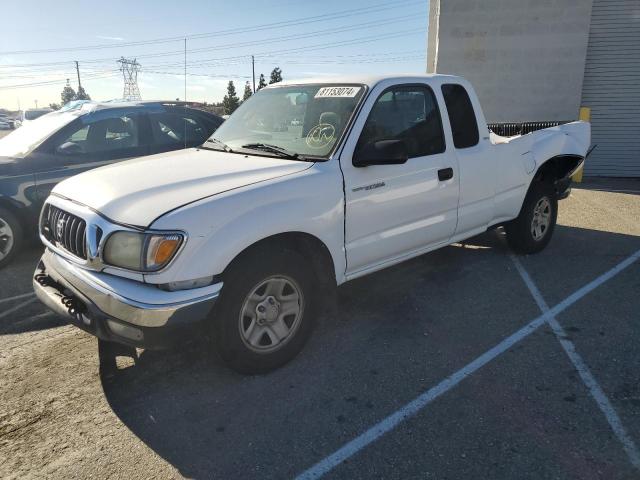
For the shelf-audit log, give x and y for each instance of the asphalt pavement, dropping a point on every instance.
(444, 367)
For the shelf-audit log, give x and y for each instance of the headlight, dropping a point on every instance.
(142, 252)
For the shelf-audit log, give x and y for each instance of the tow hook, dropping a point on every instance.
(75, 307)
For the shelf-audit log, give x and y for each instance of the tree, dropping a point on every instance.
(247, 91)
(230, 100)
(276, 75)
(82, 95)
(54, 106)
(67, 94)
(262, 82)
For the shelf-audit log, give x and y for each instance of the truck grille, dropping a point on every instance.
(65, 230)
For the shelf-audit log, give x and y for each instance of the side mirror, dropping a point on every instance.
(382, 152)
(69, 148)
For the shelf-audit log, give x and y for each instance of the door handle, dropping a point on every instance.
(445, 174)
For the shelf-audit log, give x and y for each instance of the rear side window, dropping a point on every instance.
(461, 116)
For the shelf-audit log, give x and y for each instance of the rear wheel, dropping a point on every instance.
(531, 231)
(266, 310)
(10, 236)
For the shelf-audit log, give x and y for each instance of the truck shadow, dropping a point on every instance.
(363, 361)
(629, 186)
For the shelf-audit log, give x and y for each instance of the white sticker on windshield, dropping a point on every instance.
(337, 92)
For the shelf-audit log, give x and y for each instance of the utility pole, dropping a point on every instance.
(185, 91)
(78, 72)
(36, 103)
(253, 72)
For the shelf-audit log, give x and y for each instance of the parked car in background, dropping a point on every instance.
(31, 114)
(41, 153)
(6, 122)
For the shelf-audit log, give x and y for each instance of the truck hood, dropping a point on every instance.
(136, 192)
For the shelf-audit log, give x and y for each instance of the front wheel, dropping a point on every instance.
(531, 231)
(266, 310)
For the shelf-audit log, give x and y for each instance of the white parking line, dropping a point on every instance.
(17, 307)
(587, 377)
(16, 297)
(409, 410)
(31, 320)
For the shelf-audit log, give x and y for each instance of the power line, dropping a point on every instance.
(289, 62)
(284, 23)
(308, 48)
(300, 56)
(180, 74)
(272, 55)
(221, 61)
(58, 81)
(332, 30)
(350, 28)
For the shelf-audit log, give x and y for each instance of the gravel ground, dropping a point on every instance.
(69, 410)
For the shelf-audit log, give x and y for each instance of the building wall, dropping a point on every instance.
(526, 58)
(612, 88)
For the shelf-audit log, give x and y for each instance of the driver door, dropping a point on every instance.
(398, 211)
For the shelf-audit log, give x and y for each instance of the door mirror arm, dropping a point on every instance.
(382, 152)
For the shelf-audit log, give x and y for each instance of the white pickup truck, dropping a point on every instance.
(306, 186)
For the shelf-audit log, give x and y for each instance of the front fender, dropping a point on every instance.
(221, 227)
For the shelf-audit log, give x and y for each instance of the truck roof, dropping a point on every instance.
(369, 80)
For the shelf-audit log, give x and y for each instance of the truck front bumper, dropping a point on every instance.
(118, 309)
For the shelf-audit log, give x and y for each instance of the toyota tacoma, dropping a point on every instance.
(306, 186)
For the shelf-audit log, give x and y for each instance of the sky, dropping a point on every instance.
(41, 40)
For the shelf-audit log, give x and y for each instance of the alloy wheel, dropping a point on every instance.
(271, 314)
(6, 238)
(541, 219)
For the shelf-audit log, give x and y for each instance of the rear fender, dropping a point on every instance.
(569, 140)
(558, 152)
(558, 171)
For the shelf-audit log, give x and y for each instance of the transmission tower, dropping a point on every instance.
(129, 70)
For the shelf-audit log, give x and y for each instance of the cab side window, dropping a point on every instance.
(462, 117)
(408, 113)
(177, 128)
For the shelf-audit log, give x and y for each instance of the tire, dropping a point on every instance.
(10, 236)
(532, 230)
(254, 328)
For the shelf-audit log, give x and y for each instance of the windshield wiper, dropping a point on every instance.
(266, 147)
(223, 145)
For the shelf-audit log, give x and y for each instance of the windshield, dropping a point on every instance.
(22, 140)
(302, 120)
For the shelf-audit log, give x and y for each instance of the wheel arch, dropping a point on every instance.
(559, 167)
(15, 208)
(558, 171)
(305, 244)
